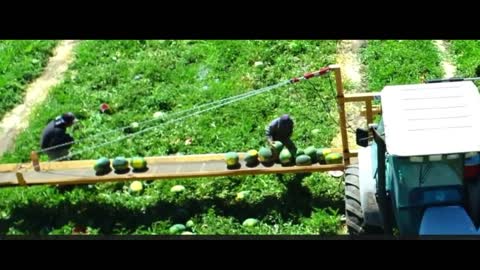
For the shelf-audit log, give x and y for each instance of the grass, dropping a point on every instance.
(467, 53)
(21, 61)
(390, 62)
(139, 78)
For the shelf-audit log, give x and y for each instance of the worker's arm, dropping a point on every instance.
(62, 137)
(290, 131)
(269, 131)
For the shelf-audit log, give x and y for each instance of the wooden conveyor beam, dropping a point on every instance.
(167, 167)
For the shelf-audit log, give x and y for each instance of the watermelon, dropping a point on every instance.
(105, 108)
(241, 195)
(285, 157)
(133, 127)
(265, 155)
(102, 166)
(138, 163)
(160, 116)
(250, 222)
(312, 153)
(251, 158)
(300, 152)
(231, 158)
(177, 188)
(177, 228)
(322, 153)
(136, 186)
(187, 233)
(303, 160)
(120, 164)
(190, 224)
(334, 158)
(277, 146)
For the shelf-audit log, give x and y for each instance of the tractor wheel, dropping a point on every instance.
(353, 208)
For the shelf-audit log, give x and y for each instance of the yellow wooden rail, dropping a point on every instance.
(82, 172)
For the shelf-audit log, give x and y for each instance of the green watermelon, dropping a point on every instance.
(277, 146)
(303, 160)
(251, 158)
(285, 157)
(177, 228)
(133, 127)
(300, 152)
(190, 224)
(316, 132)
(241, 195)
(334, 158)
(138, 163)
(177, 188)
(102, 165)
(160, 115)
(322, 153)
(250, 222)
(265, 154)
(120, 164)
(231, 158)
(312, 153)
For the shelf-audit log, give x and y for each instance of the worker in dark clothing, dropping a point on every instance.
(281, 129)
(55, 134)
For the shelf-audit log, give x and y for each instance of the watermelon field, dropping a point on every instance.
(21, 61)
(141, 78)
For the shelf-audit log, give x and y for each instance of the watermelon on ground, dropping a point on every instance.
(177, 188)
(177, 228)
(136, 186)
(250, 222)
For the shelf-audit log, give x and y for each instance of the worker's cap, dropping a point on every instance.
(69, 118)
(285, 118)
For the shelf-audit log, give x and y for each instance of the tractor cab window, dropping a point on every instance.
(415, 176)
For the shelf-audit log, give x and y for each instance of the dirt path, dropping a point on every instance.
(448, 67)
(348, 57)
(17, 119)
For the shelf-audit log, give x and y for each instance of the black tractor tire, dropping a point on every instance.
(355, 219)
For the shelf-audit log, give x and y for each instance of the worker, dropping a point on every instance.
(281, 129)
(55, 134)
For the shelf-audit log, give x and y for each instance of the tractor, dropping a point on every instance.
(418, 164)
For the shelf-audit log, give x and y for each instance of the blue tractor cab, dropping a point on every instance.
(410, 175)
